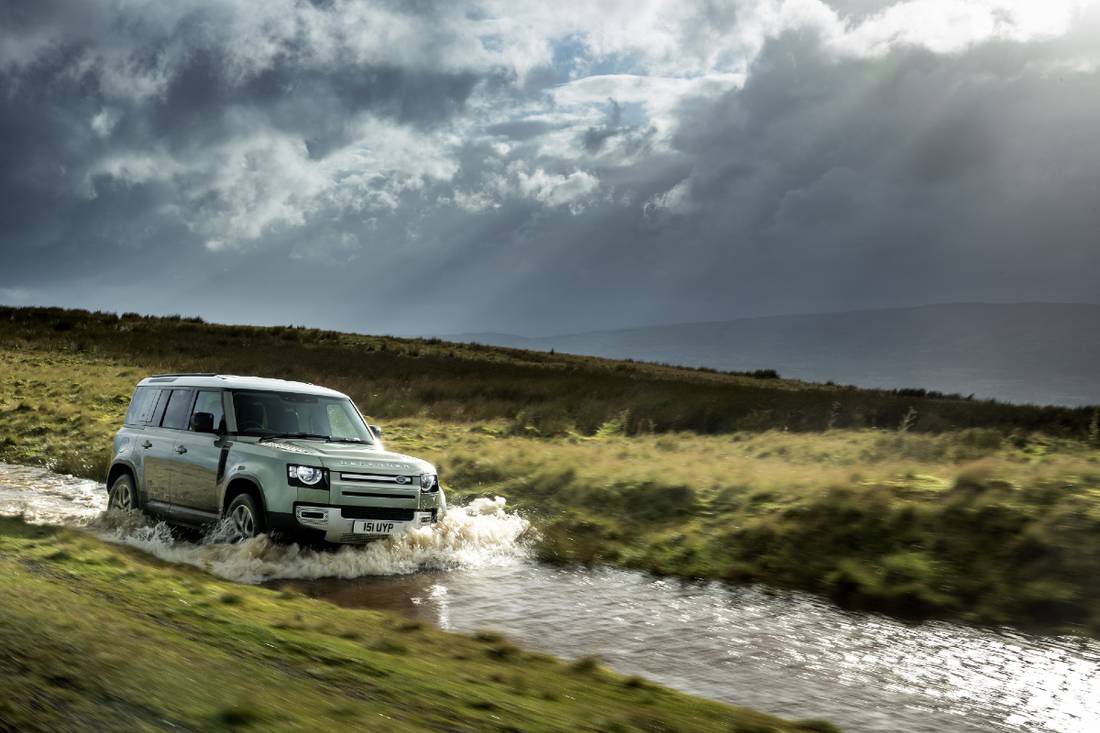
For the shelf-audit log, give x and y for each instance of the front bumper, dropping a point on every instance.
(339, 523)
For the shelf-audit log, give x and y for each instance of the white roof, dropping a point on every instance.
(230, 381)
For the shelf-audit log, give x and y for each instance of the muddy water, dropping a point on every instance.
(786, 653)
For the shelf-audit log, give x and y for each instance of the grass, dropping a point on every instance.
(61, 410)
(993, 524)
(537, 393)
(97, 637)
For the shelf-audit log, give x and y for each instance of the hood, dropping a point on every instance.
(352, 457)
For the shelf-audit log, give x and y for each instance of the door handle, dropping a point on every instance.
(181, 449)
(147, 444)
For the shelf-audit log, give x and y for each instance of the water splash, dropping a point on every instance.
(43, 497)
(480, 533)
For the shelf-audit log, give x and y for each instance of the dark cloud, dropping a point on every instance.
(858, 9)
(404, 169)
(595, 136)
(522, 129)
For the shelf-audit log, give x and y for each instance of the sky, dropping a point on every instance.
(536, 168)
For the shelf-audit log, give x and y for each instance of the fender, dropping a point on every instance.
(138, 484)
(232, 474)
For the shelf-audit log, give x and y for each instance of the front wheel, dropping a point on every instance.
(245, 519)
(122, 495)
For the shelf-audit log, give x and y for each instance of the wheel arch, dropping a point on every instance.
(243, 485)
(118, 468)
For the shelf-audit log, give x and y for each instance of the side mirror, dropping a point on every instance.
(202, 422)
(377, 430)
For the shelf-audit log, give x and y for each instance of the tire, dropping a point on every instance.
(245, 518)
(122, 495)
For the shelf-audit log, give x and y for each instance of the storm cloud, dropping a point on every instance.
(535, 167)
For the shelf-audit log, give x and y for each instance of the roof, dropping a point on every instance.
(230, 381)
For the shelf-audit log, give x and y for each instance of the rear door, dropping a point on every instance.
(196, 476)
(154, 448)
(173, 425)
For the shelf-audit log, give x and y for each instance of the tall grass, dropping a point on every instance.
(541, 394)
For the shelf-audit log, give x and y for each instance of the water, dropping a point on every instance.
(478, 535)
(785, 653)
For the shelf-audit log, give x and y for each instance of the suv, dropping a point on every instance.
(269, 455)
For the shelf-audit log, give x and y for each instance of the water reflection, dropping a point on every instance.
(785, 653)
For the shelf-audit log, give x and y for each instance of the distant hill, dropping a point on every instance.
(531, 392)
(1043, 353)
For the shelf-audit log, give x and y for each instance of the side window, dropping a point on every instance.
(211, 402)
(138, 405)
(143, 407)
(250, 411)
(158, 406)
(178, 410)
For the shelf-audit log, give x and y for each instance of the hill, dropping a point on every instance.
(541, 393)
(1039, 353)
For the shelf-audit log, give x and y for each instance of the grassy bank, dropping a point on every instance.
(994, 524)
(96, 637)
(967, 524)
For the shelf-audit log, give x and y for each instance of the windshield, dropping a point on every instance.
(286, 413)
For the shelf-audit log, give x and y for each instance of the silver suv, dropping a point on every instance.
(269, 455)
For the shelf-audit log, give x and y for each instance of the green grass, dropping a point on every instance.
(994, 524)
(97, 637)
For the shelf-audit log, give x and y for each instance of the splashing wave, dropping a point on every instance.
(480, 533)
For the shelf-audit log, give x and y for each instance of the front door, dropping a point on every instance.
(195, 483)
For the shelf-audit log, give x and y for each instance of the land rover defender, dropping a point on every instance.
(269, 456)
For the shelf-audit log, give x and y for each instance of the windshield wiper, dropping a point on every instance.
(350, 440)
(273, 436)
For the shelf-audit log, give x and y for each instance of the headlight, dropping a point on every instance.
(428, 482)
(304, 475)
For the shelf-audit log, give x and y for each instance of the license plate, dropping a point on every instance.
(379, 526)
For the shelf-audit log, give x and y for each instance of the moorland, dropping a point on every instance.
(914, 503)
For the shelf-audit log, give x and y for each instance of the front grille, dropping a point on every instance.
(377, 495)
(379, 479)
(397, 514)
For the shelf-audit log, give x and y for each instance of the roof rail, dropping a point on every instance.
(185, 374)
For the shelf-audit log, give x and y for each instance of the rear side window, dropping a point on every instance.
(178, 410)
(142, 406)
